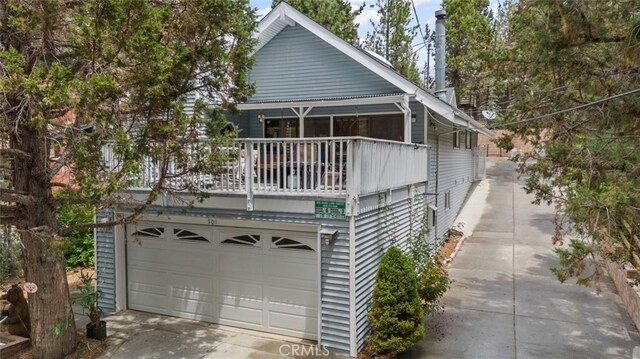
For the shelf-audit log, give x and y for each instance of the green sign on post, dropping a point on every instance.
(330, 209)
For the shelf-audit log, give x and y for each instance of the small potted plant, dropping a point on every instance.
(88, 299)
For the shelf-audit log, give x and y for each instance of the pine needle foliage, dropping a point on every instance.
(396, 313)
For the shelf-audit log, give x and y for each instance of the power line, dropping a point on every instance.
(624, 94)
(424, 39)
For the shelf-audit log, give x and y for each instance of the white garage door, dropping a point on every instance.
(251, 278)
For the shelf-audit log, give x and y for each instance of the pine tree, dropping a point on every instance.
(556, 56)
(336, 16)
(392, 37)
(468, 39)
(396, 312)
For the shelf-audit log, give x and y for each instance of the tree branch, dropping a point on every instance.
(76, 227)
(15, 153)
(58, 164)
(5, 221)
(9, 211)
(127, 219)
(63, 201)
(13, 196)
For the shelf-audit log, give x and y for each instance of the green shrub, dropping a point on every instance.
(78, 245)
(433, 282)
(396, 313)
(433, 279)
(78, 251)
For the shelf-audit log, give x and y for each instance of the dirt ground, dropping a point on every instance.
(448, 247)
(87, 349)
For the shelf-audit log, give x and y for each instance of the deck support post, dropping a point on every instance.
(406, 111)
(248, 173)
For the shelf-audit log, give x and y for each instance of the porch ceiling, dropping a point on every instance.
(326, 102)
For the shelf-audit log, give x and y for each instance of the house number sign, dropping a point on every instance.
(330, 209)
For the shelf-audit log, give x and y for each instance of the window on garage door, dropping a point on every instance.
(241, 239)
(288, 243)
(149, 232)
(189, 236)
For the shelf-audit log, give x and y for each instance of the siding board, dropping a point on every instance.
(372, 239)
(455, 176)
(296, 64)
(105, 262)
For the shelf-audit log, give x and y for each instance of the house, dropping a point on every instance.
(340, 155)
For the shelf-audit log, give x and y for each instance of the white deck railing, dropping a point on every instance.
(318, 166)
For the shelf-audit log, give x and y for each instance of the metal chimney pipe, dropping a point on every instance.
(441, 50)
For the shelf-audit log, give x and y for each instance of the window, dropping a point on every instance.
(447, 200)
(185, 235)
(246, 240)
(386, 127)
(150, 232)
(317, 127)
(287, 243)
(281, 128)
(456, 138)
(468, 139)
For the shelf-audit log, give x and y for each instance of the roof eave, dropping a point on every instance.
(285, 12)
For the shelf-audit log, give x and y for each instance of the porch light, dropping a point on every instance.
(328, 235)
(261, 117)
(414, 117)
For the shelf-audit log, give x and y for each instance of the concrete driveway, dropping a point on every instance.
(133, 334)
(506, 303)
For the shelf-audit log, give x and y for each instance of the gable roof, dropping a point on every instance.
(285, 15)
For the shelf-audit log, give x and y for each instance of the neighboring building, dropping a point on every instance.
(520, 145)
(341, 156)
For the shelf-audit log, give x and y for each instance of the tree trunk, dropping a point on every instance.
(50, 306)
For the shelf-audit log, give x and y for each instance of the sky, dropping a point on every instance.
(426, 15)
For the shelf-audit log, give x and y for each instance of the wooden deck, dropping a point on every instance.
(318, 167)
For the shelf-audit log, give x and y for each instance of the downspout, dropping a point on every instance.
(437, 178)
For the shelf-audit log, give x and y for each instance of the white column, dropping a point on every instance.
(407, 118)
(301, 114)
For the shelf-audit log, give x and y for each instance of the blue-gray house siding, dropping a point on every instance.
(378, 227)
(455, 176)
(105, 262)
(296, 64)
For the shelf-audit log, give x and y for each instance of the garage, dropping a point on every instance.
(259, 279)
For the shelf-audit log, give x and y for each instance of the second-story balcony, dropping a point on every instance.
(304, 167)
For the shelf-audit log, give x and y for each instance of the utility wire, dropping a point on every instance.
(424, 39)
(606, 99)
